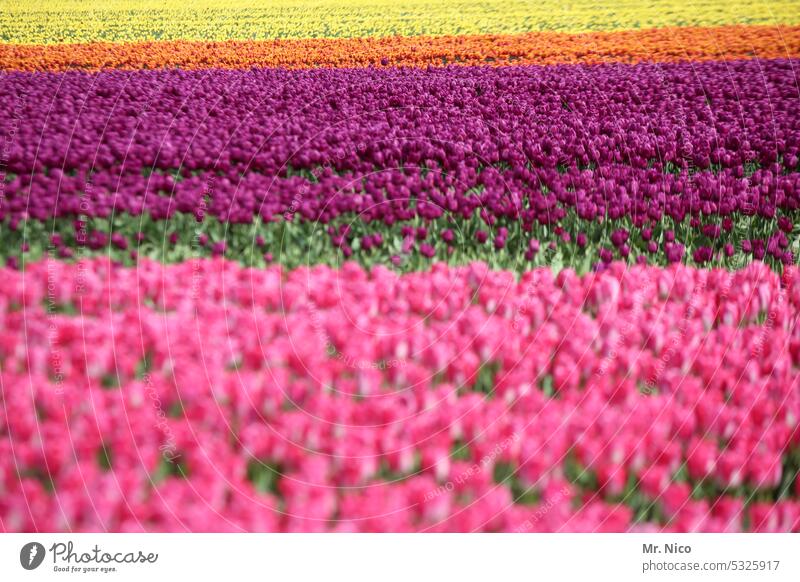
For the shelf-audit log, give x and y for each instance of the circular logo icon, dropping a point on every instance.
(31, 555)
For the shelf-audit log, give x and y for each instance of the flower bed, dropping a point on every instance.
(76, 21)
(541, 153)
(208, 397)
(534, 48)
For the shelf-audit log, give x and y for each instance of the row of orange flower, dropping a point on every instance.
(656, 45)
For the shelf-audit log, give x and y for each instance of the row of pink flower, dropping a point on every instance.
(205, 396)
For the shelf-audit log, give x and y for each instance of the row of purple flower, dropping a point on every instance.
(699, 145)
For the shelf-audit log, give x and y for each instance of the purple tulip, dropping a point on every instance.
(619, 237)
(674, 252)
(712, 231)
(119, 241)
(427, 250)
(702, 255)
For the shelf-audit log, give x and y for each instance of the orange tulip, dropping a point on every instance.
(543, 48)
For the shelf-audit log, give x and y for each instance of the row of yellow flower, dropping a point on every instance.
(73, 21)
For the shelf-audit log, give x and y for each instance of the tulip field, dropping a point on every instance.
(350, 266)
